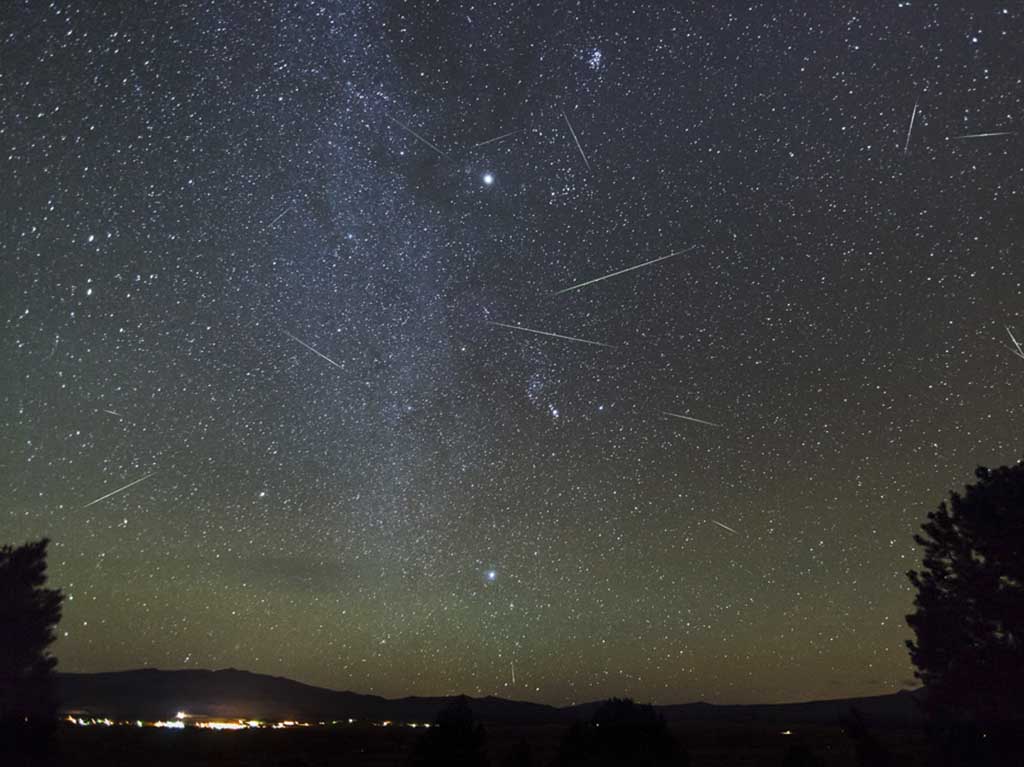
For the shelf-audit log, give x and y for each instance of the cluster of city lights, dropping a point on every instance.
(183, 720)
(89, 722)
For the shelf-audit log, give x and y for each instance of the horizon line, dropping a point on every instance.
(803, 701)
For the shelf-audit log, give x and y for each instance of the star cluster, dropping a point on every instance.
(275, 265)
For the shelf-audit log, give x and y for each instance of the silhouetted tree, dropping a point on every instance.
(867, 749)
(455, 740)
(521, 755)
(799, 755)
(29, 613)
(969, 620)
(621, 732)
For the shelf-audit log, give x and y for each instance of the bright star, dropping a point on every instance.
(491, 575)
(488, 179)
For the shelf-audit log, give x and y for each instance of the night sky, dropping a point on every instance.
(260, 260)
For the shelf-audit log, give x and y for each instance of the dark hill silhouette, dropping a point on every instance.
(154, 694)
(901, 708)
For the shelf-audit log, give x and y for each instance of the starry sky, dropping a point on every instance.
(270, 264)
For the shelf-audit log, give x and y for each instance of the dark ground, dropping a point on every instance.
(710, 745)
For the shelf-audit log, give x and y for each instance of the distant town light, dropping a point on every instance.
(174, 724)
(222, 725)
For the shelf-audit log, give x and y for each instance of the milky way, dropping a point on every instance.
(273, 257)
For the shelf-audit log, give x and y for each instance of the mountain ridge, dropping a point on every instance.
(154, 694)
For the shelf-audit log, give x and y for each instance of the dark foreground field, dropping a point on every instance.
(710, 745)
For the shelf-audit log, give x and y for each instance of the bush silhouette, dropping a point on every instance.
(28, 615)
(455, 740)
(621, 732)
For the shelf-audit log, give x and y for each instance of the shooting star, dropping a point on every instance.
(119, 490)
(1016, 349)
(913, 116)
(987, 135)
(279, 217)
(690, 418)
(576, 139)
(418, 136)
(318, 354)
(513, 673)
(111, 412)
(623, 271)
(724, 527)
(499, 138)
(552, 335)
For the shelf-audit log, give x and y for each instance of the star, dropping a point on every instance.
(488, 179)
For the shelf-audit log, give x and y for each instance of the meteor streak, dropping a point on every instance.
(279, 217)
(574, 138)
(987, 135)
(1016, 345)
(623, 271)
(119, 490)
(418, 136)
(499, 138)
(318, 354)
(913, 116)
(724, 527)
(552, 335)
(690, 418)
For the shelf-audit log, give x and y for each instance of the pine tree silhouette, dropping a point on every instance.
(29, 613)
(969, 620)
